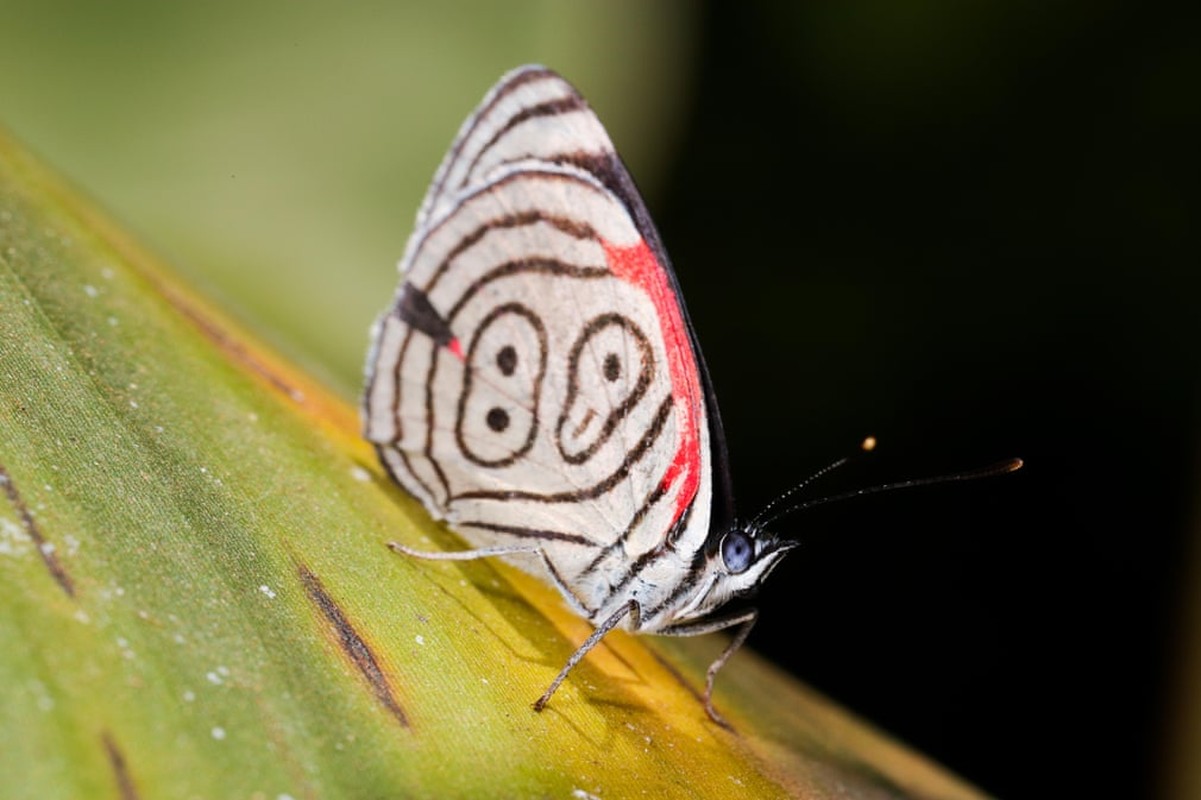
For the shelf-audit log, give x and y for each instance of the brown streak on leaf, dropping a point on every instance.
(234, 348)
(49, 557)
(116, 760)
(352, 644)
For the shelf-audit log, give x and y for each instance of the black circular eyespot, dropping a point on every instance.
(612, 367)
(497, 419)
(737, 551)
(506, 360)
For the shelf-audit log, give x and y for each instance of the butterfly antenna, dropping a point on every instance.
(867, 445)
(1000, 468)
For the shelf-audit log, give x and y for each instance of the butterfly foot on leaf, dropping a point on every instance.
(715, 716)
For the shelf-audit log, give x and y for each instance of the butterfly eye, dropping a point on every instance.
(737, 552)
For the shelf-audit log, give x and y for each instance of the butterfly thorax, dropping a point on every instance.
(684, 587)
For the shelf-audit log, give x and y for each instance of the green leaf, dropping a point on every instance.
(197, 600)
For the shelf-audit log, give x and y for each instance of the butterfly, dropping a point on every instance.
(536, 382)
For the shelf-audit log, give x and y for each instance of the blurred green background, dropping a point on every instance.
(970, 229)
(277, 152)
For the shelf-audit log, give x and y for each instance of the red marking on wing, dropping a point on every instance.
(455, 348)
(638, 265)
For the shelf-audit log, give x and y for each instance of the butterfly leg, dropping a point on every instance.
(631, 609)
(564, 589)
(746, 621)
(461, 555)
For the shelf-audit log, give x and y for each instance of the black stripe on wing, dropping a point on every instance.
(553, 108)
(538, 266)
(522, 532)
(571, 227)
(653, 497)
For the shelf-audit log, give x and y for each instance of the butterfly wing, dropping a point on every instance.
(535, 379)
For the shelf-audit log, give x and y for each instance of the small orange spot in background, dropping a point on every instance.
(869, 444)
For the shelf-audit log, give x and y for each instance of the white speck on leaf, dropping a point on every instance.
(218, 733)
(14, 541)
(267, 590)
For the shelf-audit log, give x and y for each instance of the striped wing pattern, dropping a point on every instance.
(534, 379)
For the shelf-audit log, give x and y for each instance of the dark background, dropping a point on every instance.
(974, 237)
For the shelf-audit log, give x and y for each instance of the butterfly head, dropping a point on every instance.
(737, 561)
